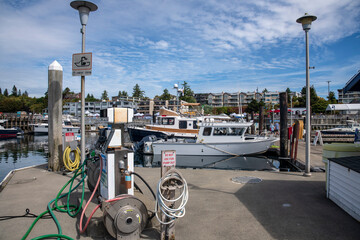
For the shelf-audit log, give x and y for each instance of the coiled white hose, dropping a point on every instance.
(161, 202)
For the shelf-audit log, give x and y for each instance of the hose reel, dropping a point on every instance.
(93, 171)
(125, 218)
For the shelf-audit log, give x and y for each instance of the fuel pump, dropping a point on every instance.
(124, 215)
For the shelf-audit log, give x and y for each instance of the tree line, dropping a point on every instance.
(18, 101)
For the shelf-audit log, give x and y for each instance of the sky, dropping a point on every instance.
(214, 45)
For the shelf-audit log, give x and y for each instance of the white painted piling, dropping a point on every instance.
(55, 79)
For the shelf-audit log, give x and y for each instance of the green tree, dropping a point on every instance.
(313, 97)
(6, 93)
(288, 91)
(104, 95)
(187, 94)
(90, 98)
(66, 91)
(0, 92)
(319, 106)
(137, 92)
(25, 94)
(14, 91)
(19, 93)
(253, 106)
(166, 95)
(331, 98)
(207, 109)
(265, 90)
(123, 94)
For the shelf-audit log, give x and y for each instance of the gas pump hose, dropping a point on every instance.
(68, 162)
(64, 208)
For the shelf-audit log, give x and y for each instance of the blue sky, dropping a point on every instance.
(214, 45)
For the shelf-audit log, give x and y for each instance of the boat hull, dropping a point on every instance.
(214, 149)
(45, 131)
(137, 134)
(8, 133)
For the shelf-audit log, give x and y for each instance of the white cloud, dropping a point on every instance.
(161, 45)
(211, 44)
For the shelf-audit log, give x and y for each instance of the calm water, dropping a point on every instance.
(27, 151)
(22, 152)
(33, 150)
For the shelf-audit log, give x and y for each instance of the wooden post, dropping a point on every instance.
(252, 126)
(168, 161)
(261, 119)
(55, 78)
(283, 125)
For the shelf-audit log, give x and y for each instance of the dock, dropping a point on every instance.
(284, 205)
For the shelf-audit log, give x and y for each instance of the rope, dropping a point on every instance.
(220, 150)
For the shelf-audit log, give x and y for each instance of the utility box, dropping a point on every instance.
(118, 115)
(113, 180)
(343, 178)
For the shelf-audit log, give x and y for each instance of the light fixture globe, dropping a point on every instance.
(306, 21)
(175, 85)
(84, 8)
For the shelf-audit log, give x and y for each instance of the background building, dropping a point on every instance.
(237, 99)
(351, 92)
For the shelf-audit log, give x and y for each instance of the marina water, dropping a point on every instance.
(32, 150)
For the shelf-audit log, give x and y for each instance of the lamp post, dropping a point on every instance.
(84, 8)
(328, 88)
(240, 104)
(306, 21)
(177, 96)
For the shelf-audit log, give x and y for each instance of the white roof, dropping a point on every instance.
(339, 107)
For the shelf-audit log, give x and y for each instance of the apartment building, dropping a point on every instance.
(148, 106)
(74, 108)
(271, 98)
(225, 99)
(349, 96)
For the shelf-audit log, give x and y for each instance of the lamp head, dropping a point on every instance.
(176, 86)
(306, 21)
(84, 8)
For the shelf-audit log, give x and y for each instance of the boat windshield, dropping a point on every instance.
(167, 121)
(228, 131)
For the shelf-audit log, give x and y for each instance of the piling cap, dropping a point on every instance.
(55, 66)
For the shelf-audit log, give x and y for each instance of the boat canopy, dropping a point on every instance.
(343, 107)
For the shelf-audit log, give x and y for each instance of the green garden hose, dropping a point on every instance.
(64, 208)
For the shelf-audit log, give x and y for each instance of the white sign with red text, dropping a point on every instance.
(168, 158)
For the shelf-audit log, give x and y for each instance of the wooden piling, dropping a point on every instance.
(252, 126)
(55, 78)
(283, 125)
(261, 119)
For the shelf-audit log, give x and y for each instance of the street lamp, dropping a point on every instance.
(328, 88)
(306, 21)
(177, 96)
(240, 104)
(84, 8)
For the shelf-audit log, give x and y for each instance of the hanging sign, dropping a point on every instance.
(168, 158)
(81, 64)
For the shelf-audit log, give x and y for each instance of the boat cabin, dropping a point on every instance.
(228, 132)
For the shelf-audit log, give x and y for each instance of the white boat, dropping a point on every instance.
(170, 124)
(43, 128)
(347, 130)
(226, 138)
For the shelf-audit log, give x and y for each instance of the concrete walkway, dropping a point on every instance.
(315, 155)
(282, 206)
